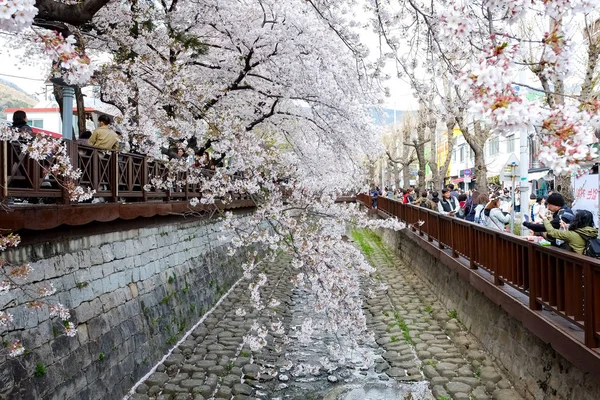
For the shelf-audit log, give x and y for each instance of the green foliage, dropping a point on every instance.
(192, 308)
(453, 314)
(359, 237)
(244, 354)
(429, 309)
(81, 285)
(387, 314)
(211, 283)
(171, 279)
(55, 332)
(186, 288)
(393, 339)
(172, 340)
(444, 398)
(477, 373)
(166, 299)
(40, 370)
(101, 356)
(164, 233)
(431, 362)
(229, 366)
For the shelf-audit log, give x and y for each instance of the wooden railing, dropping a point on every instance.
(111, 174)
(564, 282)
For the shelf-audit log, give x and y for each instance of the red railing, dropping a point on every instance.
(564, 282)
(111, 174)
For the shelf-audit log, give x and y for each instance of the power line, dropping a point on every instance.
(23, 77)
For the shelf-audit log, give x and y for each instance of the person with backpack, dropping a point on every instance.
(448, 205)
(471, 205)
(577, 234)
(479, 217)
(495, 218)
(408, 196)
(424, 202)
(462, 203)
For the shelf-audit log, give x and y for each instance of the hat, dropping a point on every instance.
(556, 200)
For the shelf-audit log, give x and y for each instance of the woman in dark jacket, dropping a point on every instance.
(20, 122)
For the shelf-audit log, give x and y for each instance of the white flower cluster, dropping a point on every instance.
(6, 318)
(60, 311)
(71, 64)
(46, 291)
(70, 329)
(15, 349)
(4, 286)
(8, 134)
(17, 15)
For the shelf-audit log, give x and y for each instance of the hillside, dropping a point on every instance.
(13, 96)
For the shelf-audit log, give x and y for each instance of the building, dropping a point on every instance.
(46, 114)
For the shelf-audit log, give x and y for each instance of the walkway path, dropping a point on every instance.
(413, 350)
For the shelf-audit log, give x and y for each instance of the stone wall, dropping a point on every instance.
(536, 369)
(132, 294)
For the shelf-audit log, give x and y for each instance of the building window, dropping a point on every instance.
(462, 153)
(494, 146)
(36, 123)
(510, 144)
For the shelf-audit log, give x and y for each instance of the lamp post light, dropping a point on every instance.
(67, 117)
(68, 92)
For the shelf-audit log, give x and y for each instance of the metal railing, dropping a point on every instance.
(564, 282)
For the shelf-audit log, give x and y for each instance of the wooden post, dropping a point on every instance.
(494, 266)
(144, 178)
(590, 312)
(439, 231)
(472, 248)
(453, 238)
(4, 171)
(114, 176)
(533, 279)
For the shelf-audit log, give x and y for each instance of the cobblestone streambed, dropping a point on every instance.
(421, 351)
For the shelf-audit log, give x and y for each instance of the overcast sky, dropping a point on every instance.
(30, 75)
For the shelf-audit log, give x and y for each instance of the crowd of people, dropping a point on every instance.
(549, 219)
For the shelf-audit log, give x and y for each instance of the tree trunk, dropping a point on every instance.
(562, 185)
(450, 142)
(476, 140)
(80, 111)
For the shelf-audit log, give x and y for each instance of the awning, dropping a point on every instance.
(459, 180)
(535, 176)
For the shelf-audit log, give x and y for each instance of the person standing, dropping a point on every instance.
(495, 218)
(20, 122)
(104, 137)
(448, 205)
(453, 192)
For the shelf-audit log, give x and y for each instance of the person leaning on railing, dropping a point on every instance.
(104, 137)
(576, 232)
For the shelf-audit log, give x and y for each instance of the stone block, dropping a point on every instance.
(107, 253)
(96, 256)
(119, 250)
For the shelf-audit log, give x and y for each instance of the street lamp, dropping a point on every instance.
(68, 93)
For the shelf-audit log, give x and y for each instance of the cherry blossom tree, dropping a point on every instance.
(482, 47)
(273, 96)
